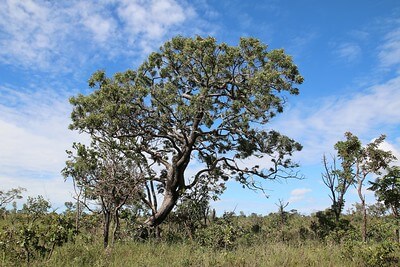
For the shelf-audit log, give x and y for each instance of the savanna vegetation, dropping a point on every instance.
(203, 108)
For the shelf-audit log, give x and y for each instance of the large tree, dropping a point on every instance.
(197, 101)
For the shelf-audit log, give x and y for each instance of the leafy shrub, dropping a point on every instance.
(325, 226)
(221, 234)
(34, 233)
(25, 241)
(382, 229)
(376, 254)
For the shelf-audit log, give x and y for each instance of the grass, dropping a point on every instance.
(178, 254)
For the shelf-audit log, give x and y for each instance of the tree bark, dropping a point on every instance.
(364, 211)
(106, 229)
(78, 214)
(169, 201)
(116, 226)
(364, 225)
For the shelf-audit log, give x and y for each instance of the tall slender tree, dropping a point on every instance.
(358, 162)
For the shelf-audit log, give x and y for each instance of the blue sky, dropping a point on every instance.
(347, 51)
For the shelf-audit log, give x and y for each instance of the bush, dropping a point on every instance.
(221, 234)
(34, 233)
(325, 226)
(26, 241)
(374, 254)
(382, 229)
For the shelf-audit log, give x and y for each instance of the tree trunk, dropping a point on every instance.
(78, 214)
(364, 211)
(174, 183)
(364, 225)
(167, 205)
(106, 229)
(115, 234)
(338, 207)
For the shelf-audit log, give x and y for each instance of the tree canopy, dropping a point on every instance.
(387, 189)
(195, 100)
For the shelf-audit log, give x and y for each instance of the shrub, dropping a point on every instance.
(221, 234)
(372, 254)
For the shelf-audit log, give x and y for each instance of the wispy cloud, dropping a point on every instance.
(389, 52)
(367, 114)
(34, 131)
(298, 194)
(348, 51)
(33, 138)
(151, 20)
(49, 35)
(29, 32)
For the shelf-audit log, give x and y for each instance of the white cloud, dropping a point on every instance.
(28, 30)
(360, 35)
(298, 194)
(386, 146)
(151, 20)
(364, 191)
(22, 149)
(51, 35)
(320, 125)
(53, 189)
(33, 138)
(389, 54)
(97, 21)
(348, 51)
(34, 131)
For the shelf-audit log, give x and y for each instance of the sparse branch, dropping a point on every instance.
(10, 195)
(329, 178)
(207, 170)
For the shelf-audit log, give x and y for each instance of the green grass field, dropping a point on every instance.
(164, 254)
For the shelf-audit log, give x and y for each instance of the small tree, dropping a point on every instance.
(358, 162)
(387, 190)
(6, 197)
(192, 210)
(107, 175)
(35, 207)
(338, 184)
(283, 216)
(197, 101)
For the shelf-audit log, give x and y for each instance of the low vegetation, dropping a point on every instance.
(34, 236)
